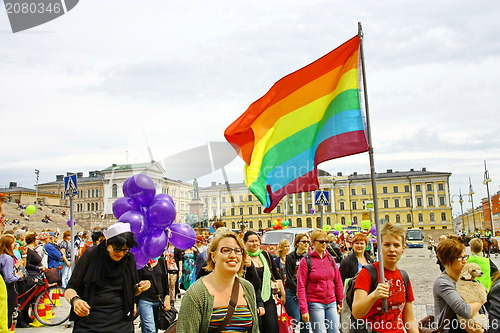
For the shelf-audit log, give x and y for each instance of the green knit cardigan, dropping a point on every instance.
(198, 304)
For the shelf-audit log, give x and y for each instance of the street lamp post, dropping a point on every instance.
(486, 182)
(471, 192)
(37, 173)
(461, 201)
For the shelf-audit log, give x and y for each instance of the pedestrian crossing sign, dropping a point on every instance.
(70, 186)
(322, 198)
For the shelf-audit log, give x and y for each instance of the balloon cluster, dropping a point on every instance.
(280, 224)
(151, 217)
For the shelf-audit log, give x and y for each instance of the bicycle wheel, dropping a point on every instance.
(51, 308)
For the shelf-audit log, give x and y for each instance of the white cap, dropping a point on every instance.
(116, 229)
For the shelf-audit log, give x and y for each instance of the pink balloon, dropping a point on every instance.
(182, 236)
(123, 205)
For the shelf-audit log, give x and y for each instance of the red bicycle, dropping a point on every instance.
(49, 307)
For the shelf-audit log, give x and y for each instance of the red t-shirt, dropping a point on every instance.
(392, 321)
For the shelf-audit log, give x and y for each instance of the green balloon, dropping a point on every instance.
(327, 227)
(366, 224)
(338, 227)
(30, 209)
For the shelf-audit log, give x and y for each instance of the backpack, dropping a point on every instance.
(307, 256)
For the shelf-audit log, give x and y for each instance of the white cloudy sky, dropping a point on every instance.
(100, 84)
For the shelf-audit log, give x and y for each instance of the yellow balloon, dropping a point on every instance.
(30, 209)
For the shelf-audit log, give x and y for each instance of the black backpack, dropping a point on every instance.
(349, 289)
(307, 256)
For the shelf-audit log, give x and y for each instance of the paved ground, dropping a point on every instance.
(423, 272)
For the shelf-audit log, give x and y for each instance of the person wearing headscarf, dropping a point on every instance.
(103, 285)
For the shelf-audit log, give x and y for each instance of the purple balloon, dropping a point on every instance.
(125, 190)
(142, 189)
(164, 196)
(140, 259)
(123, 205)
(161, 214)
(336, 232)
(135, 219)
(373, 230)
(155, 243)
(182, 236)
(311, 211)
(69, 222)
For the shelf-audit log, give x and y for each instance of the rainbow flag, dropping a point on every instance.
(307, 117)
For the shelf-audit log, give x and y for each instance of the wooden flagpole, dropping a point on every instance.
(372, 165)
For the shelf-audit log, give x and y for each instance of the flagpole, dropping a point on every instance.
(372, 165)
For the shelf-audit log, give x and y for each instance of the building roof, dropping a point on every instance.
(128, 166)
(97, 177)
(395, 174)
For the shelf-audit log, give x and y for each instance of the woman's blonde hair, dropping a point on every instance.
(281, 247)
(214, 245)
(317, 233)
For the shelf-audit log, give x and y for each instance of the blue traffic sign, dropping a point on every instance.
(70, 185)
(322, 198)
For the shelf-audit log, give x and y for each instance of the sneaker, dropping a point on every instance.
(22, 324)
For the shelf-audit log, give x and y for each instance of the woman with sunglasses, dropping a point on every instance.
(301, 244)
(319, 287)
(205, 305)
(103, 285)
(447, 302)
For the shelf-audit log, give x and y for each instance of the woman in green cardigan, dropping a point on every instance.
(205, 304)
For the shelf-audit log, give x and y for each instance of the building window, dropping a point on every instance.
(114, 191)
(408, 218)
(341, 205)
(97, 193)
(278, 209)
(241, 210)
(259, 210)
(328, 220)
(441, 201)
(223, 199)
(299, 222)
(420, 217)
(445, 227)
(407, 188)
(418, 188)
(396, 203)
(431, 217)
(387, 218)
(341, 191)
(232, 198)
(384, 189)
(309, 207)
(251, 224)
(299, 209)
(250, 210)
(309, 222)
(440, 187)
(363, 191)
(430, 200)
(398, 218)
(396, 189)
(354, 205)
(260, 224)
(241, 198)
(342, 220)
(419, 202)
(386, 203)
(318, 222)
(408, 202)
(355, 220)
(429, 187)
(224, 211)
(249, 197)
(299, 195)
(232, 211)
(443, 216)
(353, 191)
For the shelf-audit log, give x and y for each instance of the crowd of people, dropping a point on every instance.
(227, 282)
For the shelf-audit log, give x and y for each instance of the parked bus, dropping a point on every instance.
(414, 237)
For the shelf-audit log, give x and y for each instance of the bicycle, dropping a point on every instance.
(50, 307)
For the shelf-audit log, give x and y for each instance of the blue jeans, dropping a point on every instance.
(65, 274)
(148, 311)
(293, 310)
(323, 317)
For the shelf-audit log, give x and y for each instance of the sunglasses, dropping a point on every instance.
(323, 241)
(227, 250)
(305, 242)
(463, 258)
(117, 250)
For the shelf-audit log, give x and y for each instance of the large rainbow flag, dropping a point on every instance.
(307, 117)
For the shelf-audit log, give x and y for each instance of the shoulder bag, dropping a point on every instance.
(233, 301)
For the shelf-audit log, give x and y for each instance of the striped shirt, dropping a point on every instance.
(241, 320)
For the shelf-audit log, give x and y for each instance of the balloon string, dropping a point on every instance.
(170, 232)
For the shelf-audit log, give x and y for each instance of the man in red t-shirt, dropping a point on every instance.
(400, 307)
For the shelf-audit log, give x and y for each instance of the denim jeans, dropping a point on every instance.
(293, 310)
(148, 311)
(65, 274)
(323, 317)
